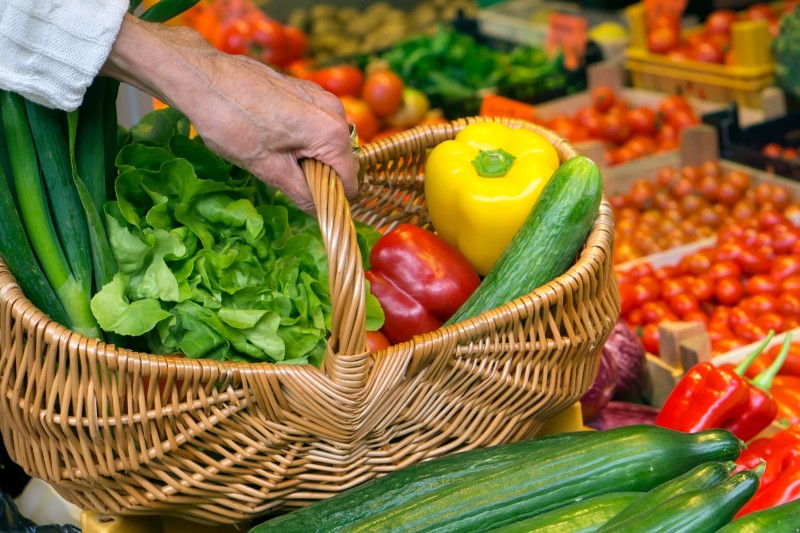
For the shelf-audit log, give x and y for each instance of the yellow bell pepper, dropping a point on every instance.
(480, 187)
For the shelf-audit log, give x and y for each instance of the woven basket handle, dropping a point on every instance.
(346, 360)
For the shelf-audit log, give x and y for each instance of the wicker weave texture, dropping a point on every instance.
(130, 433)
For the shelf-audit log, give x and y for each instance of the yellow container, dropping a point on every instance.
(743, 82)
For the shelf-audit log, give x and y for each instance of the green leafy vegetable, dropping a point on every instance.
(212, 262)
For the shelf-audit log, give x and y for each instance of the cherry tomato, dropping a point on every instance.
(627, 298)
(650, 338)
(760, 303)
(269, 42)
(673, 287)
(772, 320)
(789, 305)
(235, 38)
(296, 42)
(791, 284)
(635, 318)
(656, 311)
(695, 263)
(377, 341)
(683, 304)
(641, 270)
(720, 317)
(725, 269)
(603, 98)
(728, 291)
(754, 262)
(341, 80)
(702, 287)
(751, 331)
(663, 39)
(720, 21)
(762, 284)
(785, 266)
(739, 316)
(383, 92)
(359, 114)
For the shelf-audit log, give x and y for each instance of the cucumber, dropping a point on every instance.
(703, 476)
(580, 517)
(411, 482)
(548, 241)
(783, 518)
(625, 459)
(698, 511)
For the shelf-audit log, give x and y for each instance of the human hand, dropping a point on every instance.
(246, 112)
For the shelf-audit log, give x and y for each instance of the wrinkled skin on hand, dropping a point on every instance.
(255, 117)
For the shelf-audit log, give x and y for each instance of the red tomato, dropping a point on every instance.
(650, 338)
(341, 80)
(603, 98)
(683, 118)
(359, 114)
(641, 120)
(760, 303)
(235, 38)
(760, 12)
(702, 287)
(695, 263)
(655, 312)
(627, 298)
(377, 341)
(641, 270)
(720, 21)
(695, 316)
(683, 304)
(641, 145)
(785, 266)
(647, 289)
(773, 150)
(720, 317)
(791, 284)
(739, 316)
(708, 51)
(725, 269)
(269, 42)
(754, 262)
(674, 287)
(789, 305)
(762, 284)
(728, 291)
(671, 104)
(296, 42)
(634, 318)
(301, 68)
(727, 344)
(615, 129)
(751, 331)
(663, 39)
(383, 92)
(772, 320)
(591, 120)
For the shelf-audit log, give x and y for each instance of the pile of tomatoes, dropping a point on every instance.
(628, 131)
(745, 285)
(712, 42)
(378, 102)
(688, 204)
(239, 27)
(776, 151)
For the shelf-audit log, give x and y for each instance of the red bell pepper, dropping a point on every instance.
(719, 397)
(419, 279)
(790, 367)
(760, 408)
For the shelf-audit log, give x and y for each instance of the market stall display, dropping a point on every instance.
(498, 333)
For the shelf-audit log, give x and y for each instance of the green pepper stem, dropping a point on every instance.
(745, 364)
(493, 163)
(764, 380)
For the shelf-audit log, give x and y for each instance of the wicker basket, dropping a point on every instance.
(130, 433)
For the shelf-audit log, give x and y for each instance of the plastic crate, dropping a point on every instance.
(741, 83)
(742, 142)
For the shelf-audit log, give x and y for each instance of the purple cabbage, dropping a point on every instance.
(628, 352)
(601, 391)
(616, 414)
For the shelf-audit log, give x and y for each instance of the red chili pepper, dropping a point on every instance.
(780, 451)
(784, 489)
(760, 408)
(707, 396)
(419, 279)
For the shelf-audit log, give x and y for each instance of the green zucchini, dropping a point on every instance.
(784, 518)
(625, 459)
(583, 516)
(412, 482)
(698, 511)
(547, 243)
(703, 476)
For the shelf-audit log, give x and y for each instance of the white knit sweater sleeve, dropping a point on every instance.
(53, 49)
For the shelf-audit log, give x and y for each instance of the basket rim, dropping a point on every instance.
(599, 237)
